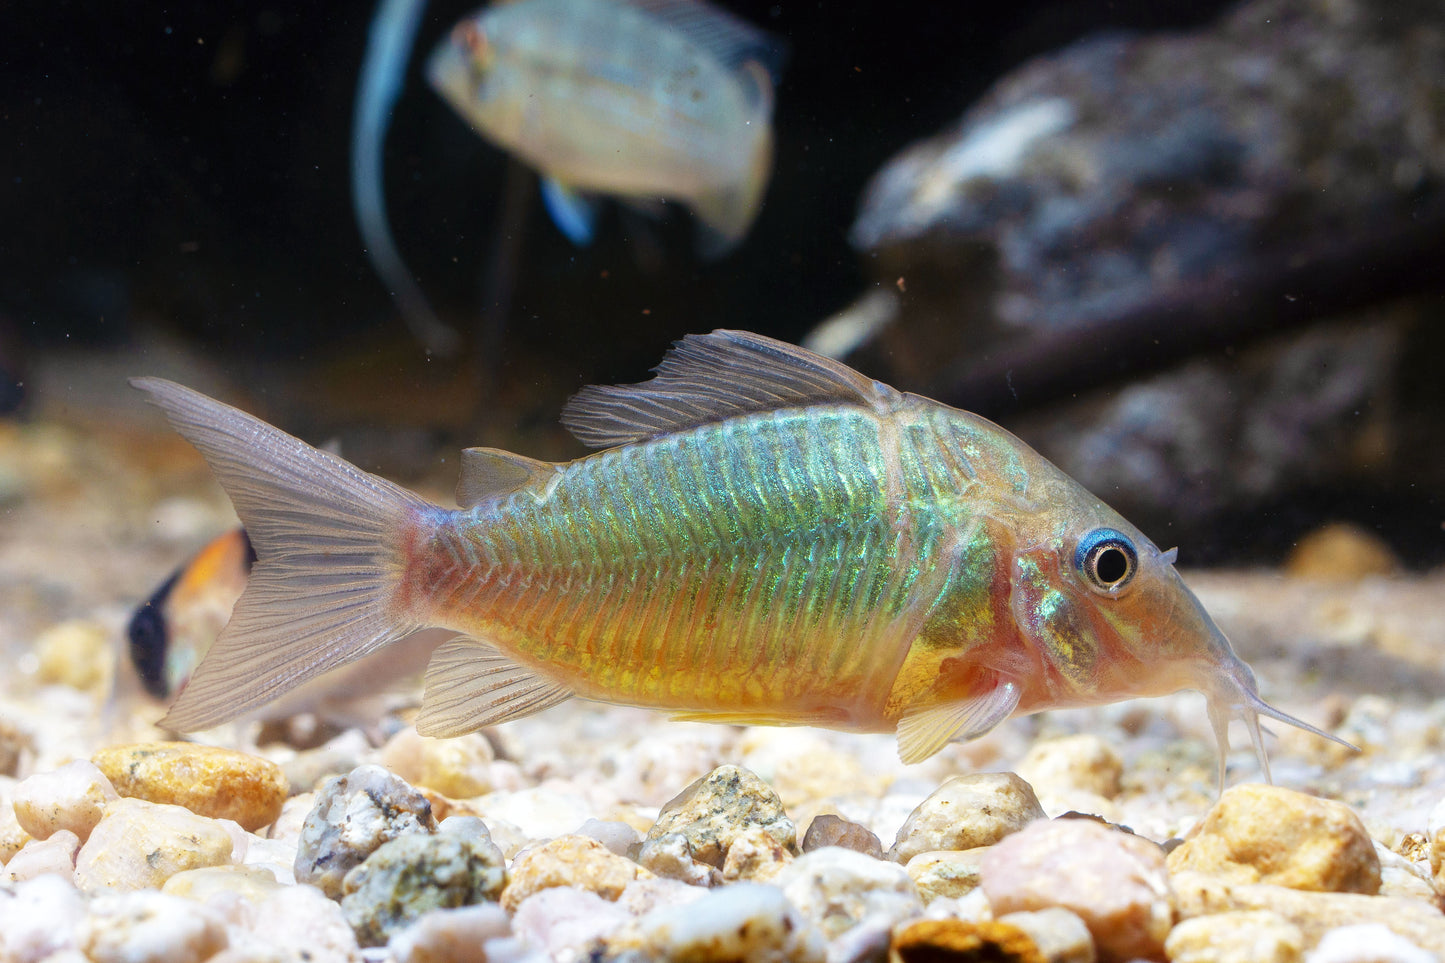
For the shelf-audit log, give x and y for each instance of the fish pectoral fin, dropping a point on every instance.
(922, 732)
(574, 214)
(489, 473)
(469, 685)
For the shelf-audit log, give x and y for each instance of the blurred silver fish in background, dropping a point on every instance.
(644, 100)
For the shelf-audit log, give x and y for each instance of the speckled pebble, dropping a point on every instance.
(755, 854)
(71, 797)
(828, 829)
(745, 921)
(38, 918)
(928, 941)
(352, 817)
(1315, 913)
(1115, 882)
(459, 768)
(1367, 943)
(838, 888)
(150, 927)
(718, 808)
(1060, 935)
(208, 780)
(54, 854)
(967, 812)
(670, 856)
(947, 873)
(1080, 762)
(1242, 936)
(450, 935)
(76, 654)
(1268, 834)
(577, 861)
(139, 845)
(416, 873)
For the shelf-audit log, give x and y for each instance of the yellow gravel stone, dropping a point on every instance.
(570, 861)
(208, 780)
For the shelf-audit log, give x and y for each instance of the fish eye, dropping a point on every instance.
(1106, 559)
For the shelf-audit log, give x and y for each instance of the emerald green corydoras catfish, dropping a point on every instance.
(769, 537)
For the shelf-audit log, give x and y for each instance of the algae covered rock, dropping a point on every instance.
(703, 821)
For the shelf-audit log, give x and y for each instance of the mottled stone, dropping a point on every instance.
(1267, 834)
(837, 888)
(450, 935)
(577, 861)
(1367, 943)
(745, 921)
(1315, 913)
(352, 817)
(828, 829)
(139, 845)
(1061, 936)
(208, 780)
(149, 927)
(1241, 936)
(1081, 762)
(54, 854)
(967, 812)
(947, 873)
(38, 919)
(711, 813)
(71, 797)
(415, 874)
(928, 941)
(756, 855)
(670, 856)
(459, 767)
(1115, 882)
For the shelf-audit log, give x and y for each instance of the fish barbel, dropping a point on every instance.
(768, 537)
(640, 99)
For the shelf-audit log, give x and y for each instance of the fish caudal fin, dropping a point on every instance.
(328, 540)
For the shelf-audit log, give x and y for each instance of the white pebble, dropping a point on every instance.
(838, 888)
(744, 921)
(41, 856)
(150, 927)
(1367, 943)
(450, 935)
(39, 919)
(565, 920)
(72, 797)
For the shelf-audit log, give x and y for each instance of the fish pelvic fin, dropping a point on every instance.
(330, 552)
(923, 732)
(470, 684)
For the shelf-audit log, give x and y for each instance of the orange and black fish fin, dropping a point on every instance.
(922, 732)
(469, 685)
(712, 377)
(489, 473)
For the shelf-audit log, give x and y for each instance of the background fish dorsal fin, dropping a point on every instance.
(731, 40)
(491, 473)
(711, 377)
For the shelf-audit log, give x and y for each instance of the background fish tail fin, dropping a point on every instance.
(330, 542)
(726, 215)
(388, 47)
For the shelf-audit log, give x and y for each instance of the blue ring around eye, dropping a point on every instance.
(1105, 538)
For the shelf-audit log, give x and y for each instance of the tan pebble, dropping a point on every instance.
(1060, 935)
(1315, 913)
(755, 854)
(828, 829)
(71, 797)
(54, 854)
(1116, 883)
(202, 885)
(569, 861)
(459, 768)
(967, 812)
(1435, 840)
(946, 873)
(75, 654)
(1081, 762)
(1267, 834)
(139, 845)
(1341, 552)
(1240, 936)
(928, 941)
(207, 780)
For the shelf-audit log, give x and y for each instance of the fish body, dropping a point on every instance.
(642, 100)
(768, 537)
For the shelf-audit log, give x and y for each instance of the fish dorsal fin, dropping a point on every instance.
(922, 732)
(712, 377)
(489, 473)
(731, 40)
(469, 685)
